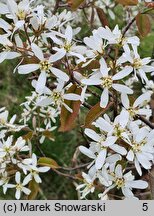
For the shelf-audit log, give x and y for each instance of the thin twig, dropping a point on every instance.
(128, 26)
(75, 168)
(64, 174)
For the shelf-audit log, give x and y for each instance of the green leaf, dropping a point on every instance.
(34, 187)
(67, 118)
(74, 4)
(127, 2)
(44, 161)
(95, 112)
(143, 24)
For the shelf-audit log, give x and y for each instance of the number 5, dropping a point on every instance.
(145, 207)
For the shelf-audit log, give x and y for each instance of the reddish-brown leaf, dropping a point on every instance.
(74, 4)
(102, 17)
(128, 2)
(67, 118)
(95, 112)
(149, 4)
(143, 24)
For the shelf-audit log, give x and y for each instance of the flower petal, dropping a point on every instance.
(60, 74)
(123, 89)
(87, 152)
(104, 98)
(26, 69)
(100, 159)
(37, 51)
(125, 72)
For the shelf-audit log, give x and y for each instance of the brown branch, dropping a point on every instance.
(128, 26)
(75, 168)
(64, 174)
(27, 34)
(147, 122)
(56, 6)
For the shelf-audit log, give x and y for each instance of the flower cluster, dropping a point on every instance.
(13, 162)
(118, 142)
(64, 69)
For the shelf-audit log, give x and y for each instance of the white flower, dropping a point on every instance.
(141, 147)
(20, 187)
(68, 47)
(96, 45)
(125, 182)
(18, 12)
(103, 78)
(136, 63)
(8, 148)
(116, 37)
(117, 128)
(34, 170)
(20, 145)
(45, 66)
(138, 107)
(4, 122)
(46, 132)
(58, 96)
(87, 185)
(99, 148)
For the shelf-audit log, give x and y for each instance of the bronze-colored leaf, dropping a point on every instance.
(127, 2)
(74, 4)
(95, 112)
(149, 4)
(143, 24)
(102, 17)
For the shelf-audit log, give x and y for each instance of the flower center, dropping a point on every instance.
(118, 130)
(137, 146)
(100, 142)
(107, 82)
(119, 182)
(67, 46)
(137, 64)
(57, 97)
(121, 40)
(21, 14)
(19, 187)
(132, 111)
(88, 185)
(45, 66)
(7, 149)
(2, 121)
(33, 172)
